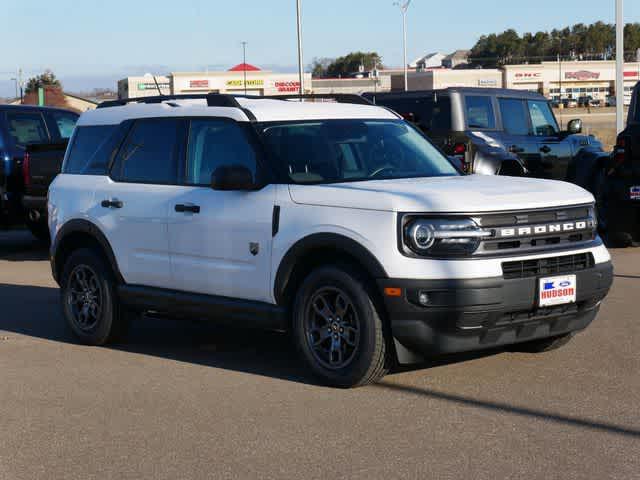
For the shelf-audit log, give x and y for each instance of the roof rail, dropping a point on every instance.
(337, 97)
(213, 100)
(230, 100)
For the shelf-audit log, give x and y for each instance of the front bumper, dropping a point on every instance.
(465, 315)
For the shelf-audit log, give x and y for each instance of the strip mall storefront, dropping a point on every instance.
(571, 79)
(258, 82)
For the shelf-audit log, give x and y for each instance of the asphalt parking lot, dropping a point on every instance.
(188, 400)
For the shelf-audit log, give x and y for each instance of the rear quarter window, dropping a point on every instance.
(66, 122)
(479, 112)
(90, 150)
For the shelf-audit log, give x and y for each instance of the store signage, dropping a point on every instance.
(240, 83)
(287, 86)
(631, 74)
(528, 75)
(582, 75)
(487, 82)
(152, 86)
(198, 83)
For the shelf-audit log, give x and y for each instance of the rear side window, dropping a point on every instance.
(66, 122)
(514, 116)
(480, 112)
(90, 150)
(27, 128)
(150, 153)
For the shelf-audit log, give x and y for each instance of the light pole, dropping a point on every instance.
(300, 65)
(619, 66)
(403, 9)
(244, 65)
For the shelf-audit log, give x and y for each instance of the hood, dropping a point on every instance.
(468, 194)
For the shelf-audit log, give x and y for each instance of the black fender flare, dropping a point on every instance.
(323, 241)
(85, 227)
(584, 165)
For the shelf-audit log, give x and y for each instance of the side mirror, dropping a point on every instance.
(232, 177)
(409, 117)
(575, 126)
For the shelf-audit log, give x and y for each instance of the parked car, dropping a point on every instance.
(500, 131)
(570, 103)
(585, 101)
(618, 185)
(23, 128)
(340, 223)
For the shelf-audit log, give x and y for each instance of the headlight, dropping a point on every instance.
(443, 237)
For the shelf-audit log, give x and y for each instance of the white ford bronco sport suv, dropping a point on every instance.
(338, 222)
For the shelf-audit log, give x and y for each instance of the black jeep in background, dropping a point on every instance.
(32, 145)
(618, 186)
(501, 132)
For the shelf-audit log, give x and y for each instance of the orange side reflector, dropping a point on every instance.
(393, 292)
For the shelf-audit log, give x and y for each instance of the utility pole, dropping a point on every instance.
(21, 85)
(619, 66)
(244, 65)
(300, 64)
(403, 9)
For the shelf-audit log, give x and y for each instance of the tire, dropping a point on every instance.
(612, 238)
(347, 350)
(543, 345)
(97, 318)
(40, 230)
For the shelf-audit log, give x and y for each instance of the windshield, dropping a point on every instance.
(330, 151)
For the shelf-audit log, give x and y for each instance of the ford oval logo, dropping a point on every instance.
(565, 284)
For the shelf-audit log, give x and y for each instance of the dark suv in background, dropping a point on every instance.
(500, 132)
(32, 145)
(618, 185)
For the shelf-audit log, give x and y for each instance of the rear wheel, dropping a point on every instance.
(337, 328)
(544, 344)
(89, 299)
(39, 229)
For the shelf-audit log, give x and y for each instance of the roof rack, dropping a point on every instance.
(213, 100)
(230, 100)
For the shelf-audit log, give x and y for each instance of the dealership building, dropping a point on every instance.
(241, 79)
(571, 79)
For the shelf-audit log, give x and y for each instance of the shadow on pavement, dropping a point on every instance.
(20, 246)
(510, 409)
(35, 311)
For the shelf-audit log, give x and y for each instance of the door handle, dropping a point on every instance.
(516, 149)
(115, 203)
(545, 149)
(181, 208)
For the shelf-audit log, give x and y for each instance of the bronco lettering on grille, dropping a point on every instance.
(544, 229)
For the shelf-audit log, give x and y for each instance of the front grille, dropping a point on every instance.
(536, 230)
(547, 266)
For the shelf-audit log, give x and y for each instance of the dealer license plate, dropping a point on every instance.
(557, 290)
(634, 193)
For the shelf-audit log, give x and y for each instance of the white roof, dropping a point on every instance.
(264, 110)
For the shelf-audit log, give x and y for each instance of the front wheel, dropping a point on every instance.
(337, 328)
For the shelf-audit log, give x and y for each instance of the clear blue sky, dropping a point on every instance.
(94, 42)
